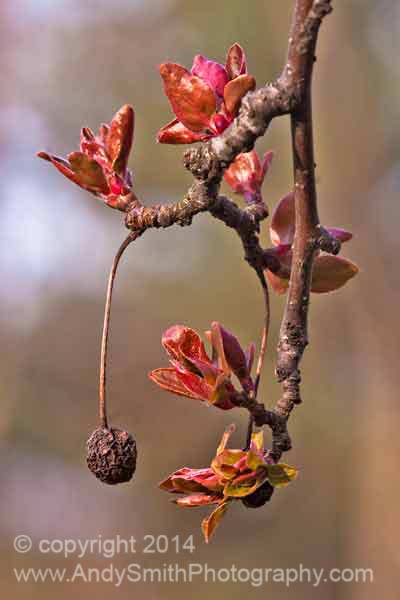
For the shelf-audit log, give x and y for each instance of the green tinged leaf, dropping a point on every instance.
(225, 437)
(246, 484)
(210, 524)
(257, 439)
(223, 463)
(281, 474)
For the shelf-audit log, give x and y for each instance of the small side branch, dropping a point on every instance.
(106, 328)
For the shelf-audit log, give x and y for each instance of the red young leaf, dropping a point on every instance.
(100, 166)
(89, 172)
(219, 123)
(340, 234)
(250, 354)
(244, 174)
(176, 133)
(205, 479)
(209, 481)
(195, 500)
(206, 368)
(217, 344)
(180, 341)
(168, 379)
(234, 354)
(278, 284)
(120, 137)
(81, 170)
(184, 474)
(191, 98)
(235, 90)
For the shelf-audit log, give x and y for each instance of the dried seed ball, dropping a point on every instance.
(111, 455)
(260, 497)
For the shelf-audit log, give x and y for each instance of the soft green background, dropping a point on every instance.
(68, 63)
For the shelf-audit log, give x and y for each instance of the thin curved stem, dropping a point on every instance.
(263, 349)
(106, 327)
(264, 339)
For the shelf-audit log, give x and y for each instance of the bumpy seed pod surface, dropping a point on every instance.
(111, 455)
(259, 497)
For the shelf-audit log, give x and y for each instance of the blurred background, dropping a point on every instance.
(67, 63)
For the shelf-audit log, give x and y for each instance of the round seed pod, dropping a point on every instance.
(111, 455)
(260, 497)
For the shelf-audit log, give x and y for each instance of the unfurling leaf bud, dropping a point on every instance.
(111, 455)
(101, 165)
(205, 99)
(260, 497)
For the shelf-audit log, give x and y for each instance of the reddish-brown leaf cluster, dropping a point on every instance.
(246, 176)
(329, 272)
(233, 475)
(101, 165)
(195, 375)
(205, 99)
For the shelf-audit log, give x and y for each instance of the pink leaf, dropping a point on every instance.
(196, 386)
(340, 234)
(283, 221)
(250, 353)
(234, 354)
(245, 173)
(211, 72)
(235, 61)
(183, 342)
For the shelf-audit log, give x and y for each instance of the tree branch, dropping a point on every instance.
(289, 94)
(309, 236)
